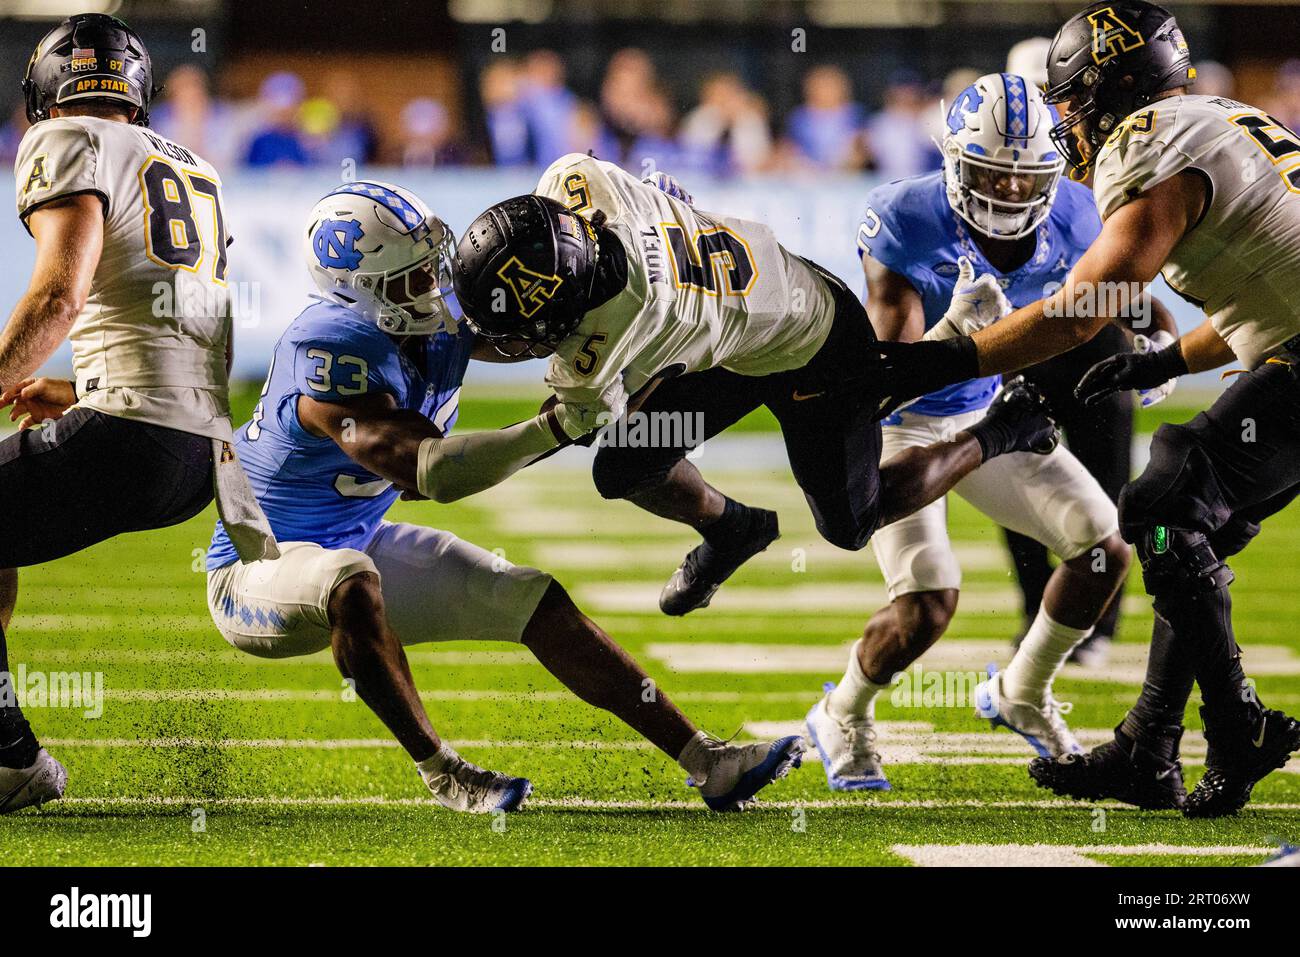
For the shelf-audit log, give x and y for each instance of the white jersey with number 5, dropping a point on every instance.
(1241, 261)
(703, 291)
(151, 342)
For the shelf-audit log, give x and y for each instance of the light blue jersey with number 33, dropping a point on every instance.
(309, 488)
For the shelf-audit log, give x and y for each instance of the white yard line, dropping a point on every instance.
(581, 803)
(1127, 662)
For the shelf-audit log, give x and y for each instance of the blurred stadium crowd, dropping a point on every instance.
(528, 114)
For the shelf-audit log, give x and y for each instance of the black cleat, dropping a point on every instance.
(706, 567)
(1118, 769)
(1239, 758)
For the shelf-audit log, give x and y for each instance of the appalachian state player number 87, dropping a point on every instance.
(172, 236)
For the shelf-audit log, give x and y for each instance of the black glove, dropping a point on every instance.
(907, 370)
(1131, 370)
(1018, 420)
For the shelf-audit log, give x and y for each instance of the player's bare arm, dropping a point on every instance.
(69, 237)
(1134, 243)
(893, 304)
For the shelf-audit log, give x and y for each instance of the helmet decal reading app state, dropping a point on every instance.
(335, 243)
(531, 289)
(1111, 36)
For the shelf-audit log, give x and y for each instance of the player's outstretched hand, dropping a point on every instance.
(668, 184)
(976, 302)
(1130, 370)
(40, 400)
(1143, 344)
(907, 370)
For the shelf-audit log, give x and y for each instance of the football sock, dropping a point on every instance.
(855, 695)
(1156, 720)
(696, 758)
(18, 746)
(732, 527)
(1040, 656)
(436, 763)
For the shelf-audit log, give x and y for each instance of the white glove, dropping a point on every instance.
(976, 303)
(1143, 344)
(668, 184)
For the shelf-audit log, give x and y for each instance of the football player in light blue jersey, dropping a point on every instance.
(998, 207)
(359, 381)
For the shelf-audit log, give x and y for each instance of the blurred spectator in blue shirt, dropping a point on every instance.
(549, 107)
(190, 116)
(278, 141)
(507, 123)
(897, 137)
(827, 128)
(344, 131)
(727, 133)
(427, 135)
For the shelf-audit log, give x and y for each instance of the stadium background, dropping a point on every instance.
(202, 755)
(787, 112)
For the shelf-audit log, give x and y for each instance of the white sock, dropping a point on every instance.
(1040, 656)
(855, 695)
(436, 763)
(696, 758)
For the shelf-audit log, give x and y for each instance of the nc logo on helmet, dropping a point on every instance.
(335, 243)
(968, 101)
(531, 289)
(1111, 36)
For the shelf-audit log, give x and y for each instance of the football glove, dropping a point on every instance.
(668, 184)
(976, 303)
(1143, 345)
(1018, 420)
(1131, 370)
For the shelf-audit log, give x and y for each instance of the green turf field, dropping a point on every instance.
(202, 756)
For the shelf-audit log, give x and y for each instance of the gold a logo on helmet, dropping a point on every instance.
(532, 289)
(1111, 36)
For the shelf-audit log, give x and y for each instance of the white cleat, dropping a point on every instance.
(1042, 725)
(847, 749)
(737, 772)
(462, 786)
(33, 786)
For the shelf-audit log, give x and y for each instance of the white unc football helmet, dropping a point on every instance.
(376, 248)
(1000, 165)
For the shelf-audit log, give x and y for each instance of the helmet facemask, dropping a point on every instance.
(1080, 133)
(418, 301)
(1002, 198)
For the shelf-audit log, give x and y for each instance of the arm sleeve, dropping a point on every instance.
(56, 159)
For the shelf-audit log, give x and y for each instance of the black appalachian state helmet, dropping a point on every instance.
(1112, 59)
(90, 56)
(524, 270)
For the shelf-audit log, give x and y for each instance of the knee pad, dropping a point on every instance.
(1180, 564)
(619, 472)
(1233, 537)
(1178, 488)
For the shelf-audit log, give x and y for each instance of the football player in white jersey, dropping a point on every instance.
(691, 320)
(1205, 190)
(131, 267)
